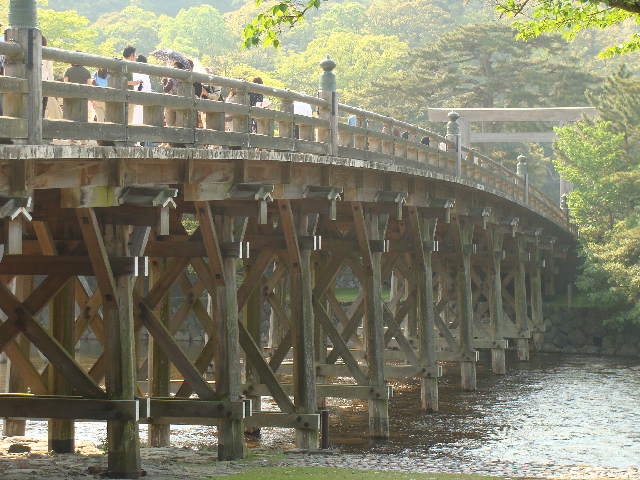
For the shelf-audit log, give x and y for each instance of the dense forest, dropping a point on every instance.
(399, 57)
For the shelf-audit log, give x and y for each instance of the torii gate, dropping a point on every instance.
(468, 137)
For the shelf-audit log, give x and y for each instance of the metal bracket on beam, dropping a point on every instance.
(398, 198)
(13, 207)
(148, 197)
(484, 213)
(446, 203)
(235, 249)
(330, 194)
(512, 223)
(14, 210)
(381, 246)
(259, 192)
(313, 243)
(151, 197)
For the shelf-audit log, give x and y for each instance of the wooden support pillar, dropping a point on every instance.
(319, 335)
(159, 366)
(373, 229)
(227, 361)
(520, 292)
(15, 427)
(535, 282)
(302, 320)
(253, 316)
(117, 303)
(465, 308)
(424, 233)
(496, 308)
(61, 323)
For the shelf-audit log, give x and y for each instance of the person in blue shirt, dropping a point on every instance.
(100, 79)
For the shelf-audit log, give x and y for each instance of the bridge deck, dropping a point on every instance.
(239, 219)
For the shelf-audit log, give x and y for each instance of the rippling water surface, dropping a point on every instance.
(554, 410)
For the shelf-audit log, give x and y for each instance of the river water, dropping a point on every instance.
(553, 416)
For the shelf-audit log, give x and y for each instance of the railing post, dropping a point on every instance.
(23, 29)
(117, 112)
(564, 205)
(523, 171)
(453, 135)
(328, 92)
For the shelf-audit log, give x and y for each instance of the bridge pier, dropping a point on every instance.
(117, 299)
(373, 229)
(465, 308)
(424, 230)
(159, 435)
(496, 308)
(61, 319)
(520, 294)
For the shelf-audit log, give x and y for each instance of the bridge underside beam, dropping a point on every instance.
(235, 258)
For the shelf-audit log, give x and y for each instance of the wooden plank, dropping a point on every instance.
(59, 357)
(360, 228)
(210, 240)
(299, 421)
(67, 408)
(97, 253)
(173, 351)
(45, 238)
(61, 323)
(164, 409)
(254, 356)
(394, 330)
(67, 265)
(338, 343)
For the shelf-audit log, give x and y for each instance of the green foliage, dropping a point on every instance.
(601, 158)
(131, 26)
(266, 27)
(70, 31)
(570, 17)
(196, 31)
(361, 59)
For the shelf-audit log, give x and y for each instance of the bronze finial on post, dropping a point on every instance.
(522, 170)
(453, 135)
(328, 86)
(23, 29)
(23, 14)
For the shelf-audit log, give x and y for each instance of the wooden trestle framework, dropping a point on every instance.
(95, 238)
(457, 273)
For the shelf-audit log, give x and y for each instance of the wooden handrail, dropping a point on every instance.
(363, 141)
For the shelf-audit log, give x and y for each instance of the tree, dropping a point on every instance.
(196, 31)
(573, 16)
(481, 65)
(361, 59)
(131, 26)
(420, 21)
(601, 159)
(70, 31)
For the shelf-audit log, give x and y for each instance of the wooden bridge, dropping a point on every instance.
(450, 250)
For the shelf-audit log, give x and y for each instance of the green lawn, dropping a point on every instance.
(350, 294)
(290, 473)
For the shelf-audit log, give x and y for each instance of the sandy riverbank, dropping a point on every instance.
(186, 463)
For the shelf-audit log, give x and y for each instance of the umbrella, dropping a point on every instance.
(168, 55)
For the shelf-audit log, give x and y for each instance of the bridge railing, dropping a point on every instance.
(184, 120)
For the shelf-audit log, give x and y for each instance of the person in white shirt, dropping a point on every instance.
(144, 85)
(304, 109)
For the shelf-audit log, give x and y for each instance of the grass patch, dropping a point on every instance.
(345, 295)
(290, 473)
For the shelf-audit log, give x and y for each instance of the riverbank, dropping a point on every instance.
(174, 463)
